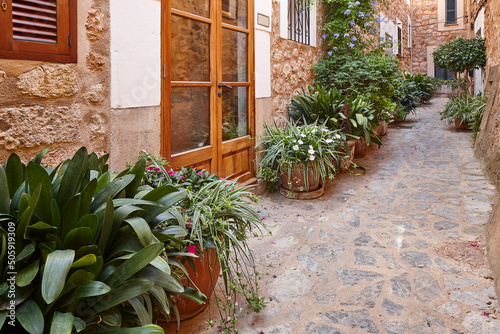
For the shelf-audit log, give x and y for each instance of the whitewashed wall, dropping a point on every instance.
(479, 31)
(135, 53)
(263, 48)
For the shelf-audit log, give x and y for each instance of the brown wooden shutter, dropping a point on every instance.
(35, 20)
(39, 30)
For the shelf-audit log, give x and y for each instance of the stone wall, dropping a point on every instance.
(487, 145)
(492, 33)
(61, 105)
(399, 10)
(427, 34)
(487, 149)
(291, 64)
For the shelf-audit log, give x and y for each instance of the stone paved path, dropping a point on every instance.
(399, 250)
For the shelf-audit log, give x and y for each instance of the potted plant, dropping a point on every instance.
(463, 110)
(324, 106)
(302, 157)
(218, 216)
(86, 256)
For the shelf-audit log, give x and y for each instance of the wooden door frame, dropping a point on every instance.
(215, 76)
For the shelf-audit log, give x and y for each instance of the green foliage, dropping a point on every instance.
(372, 76)
(461, 55)
(86, 250)
(407, 95)
(352, 116)
(216, 213)
(314, 145)
(424, 84)
(350, 26)
(469, 109)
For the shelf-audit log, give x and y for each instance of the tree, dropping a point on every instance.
(461, 55)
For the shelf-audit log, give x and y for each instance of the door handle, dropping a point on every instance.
(224, 85)
(4, 5)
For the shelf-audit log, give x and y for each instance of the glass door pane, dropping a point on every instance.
(234, 113)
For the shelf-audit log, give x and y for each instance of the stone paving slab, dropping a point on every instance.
(397, 250)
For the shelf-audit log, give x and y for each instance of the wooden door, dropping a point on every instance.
(207, 100)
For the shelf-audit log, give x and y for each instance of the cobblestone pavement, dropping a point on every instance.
(397, 250)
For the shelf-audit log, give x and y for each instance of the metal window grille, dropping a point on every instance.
(299, 21)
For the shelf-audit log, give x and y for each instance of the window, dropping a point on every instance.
(451, 12)
(400, 41)
(299, 21)
(443, 74)
(38, 30)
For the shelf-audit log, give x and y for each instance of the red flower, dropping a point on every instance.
(191, 249)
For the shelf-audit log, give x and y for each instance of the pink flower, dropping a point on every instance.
(200, 173)
(191, 249)
(486, 314)
(274, 213)
(474, 245)
(273, 242)
(221, 178)
(189, 223)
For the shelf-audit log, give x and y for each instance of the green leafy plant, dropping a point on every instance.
(424, 84)
(349, 26)
(460, 56)
(407, 95)
(217, 214)
(469, 109)
(85, 247)
(316, 146)
(371, 75)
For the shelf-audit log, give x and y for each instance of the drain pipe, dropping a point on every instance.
(469, 20)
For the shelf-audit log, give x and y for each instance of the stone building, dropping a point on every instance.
(487, 144)
(194, 81)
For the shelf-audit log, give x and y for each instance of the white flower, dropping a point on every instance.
(328, 141)
(301, 142)
(324, 130)
(295, 147)
(313, 130)
(302, 135)
(295, 140)
(337, 136)
(311, 157)
(311, 147)
(311, 151)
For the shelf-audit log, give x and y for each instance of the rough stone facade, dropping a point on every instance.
(400, 10)
(427, 34)
(64, 106)
(491, 32)
(291, 64)
(487, 146)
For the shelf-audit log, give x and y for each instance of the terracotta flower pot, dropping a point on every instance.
(296, 181)
(381, 129)
(346, 161)
(207, 267)
(361, 148)
(460, 125)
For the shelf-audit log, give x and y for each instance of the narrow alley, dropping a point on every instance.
(397, 250)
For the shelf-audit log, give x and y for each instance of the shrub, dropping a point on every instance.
(88, 254)
(469, 109)
(372, 76)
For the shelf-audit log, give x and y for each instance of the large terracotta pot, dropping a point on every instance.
(381, 128)
(207, 267)
(361, 147)
(296, 181)
(459, 125)
(345, 163)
